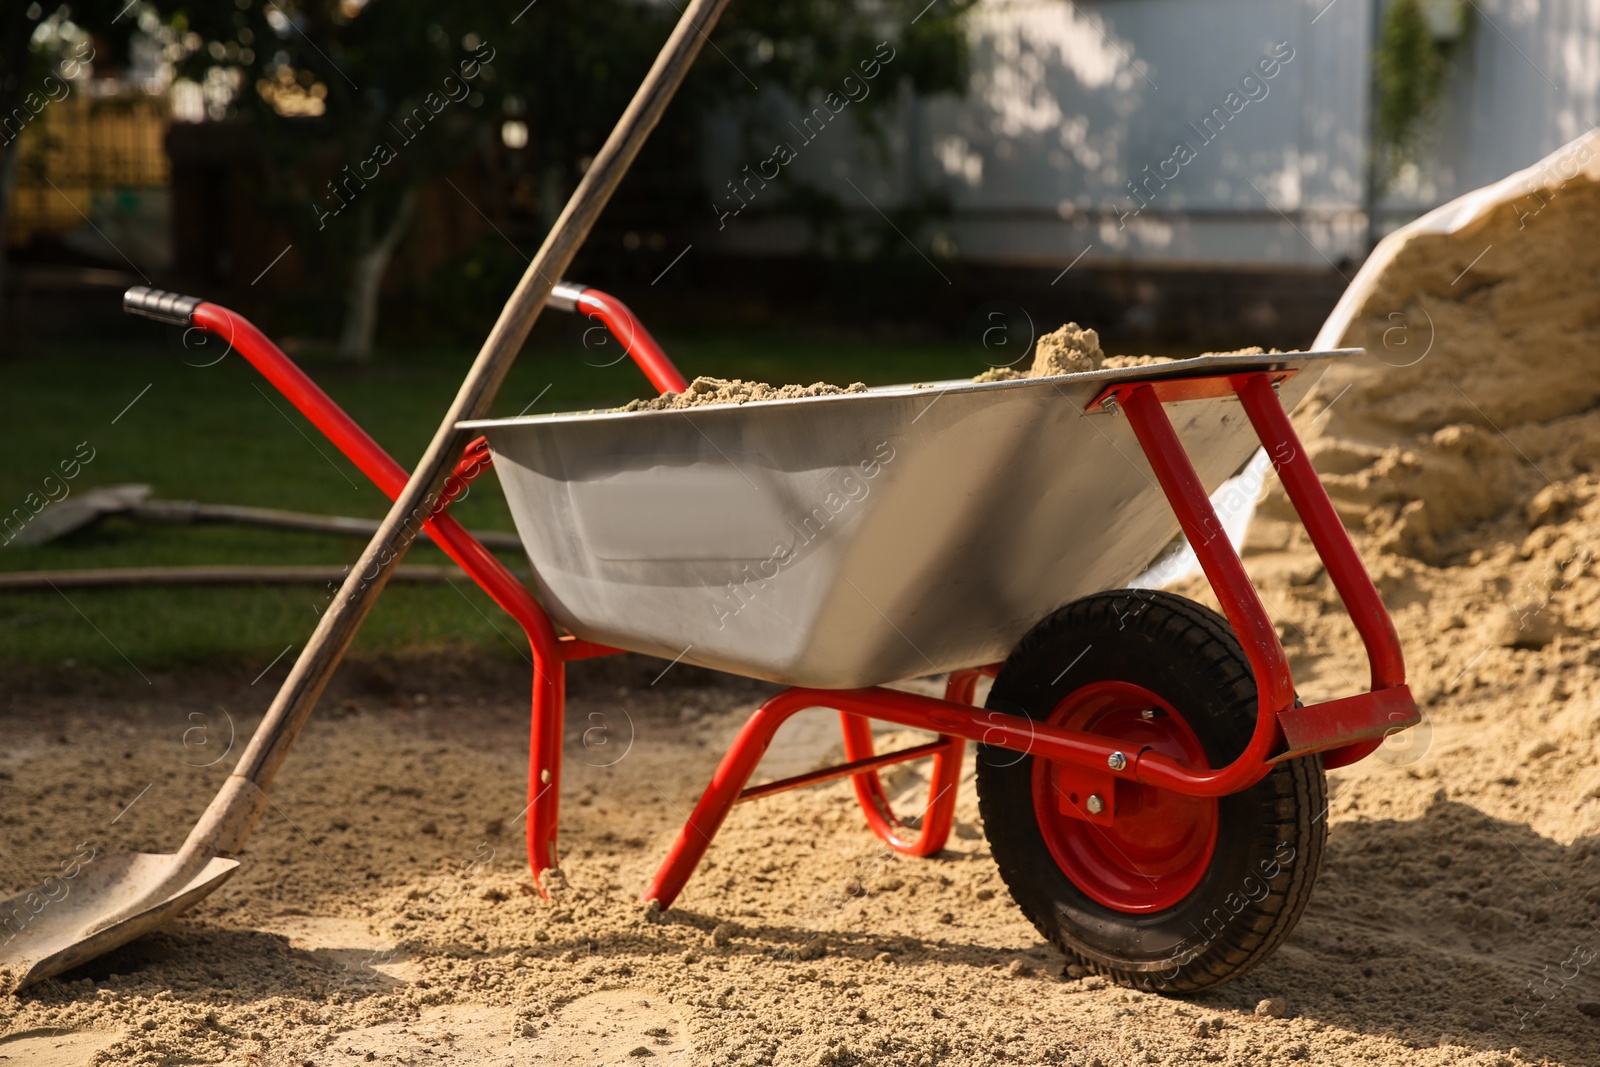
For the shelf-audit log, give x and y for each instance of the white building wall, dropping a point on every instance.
(1529, 82)
(1071, 102)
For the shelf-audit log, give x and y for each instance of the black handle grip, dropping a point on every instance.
(173, 308)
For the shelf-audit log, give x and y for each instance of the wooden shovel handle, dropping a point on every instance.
(231, 816)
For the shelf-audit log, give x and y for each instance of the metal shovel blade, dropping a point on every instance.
(75, 512)
(108, 903)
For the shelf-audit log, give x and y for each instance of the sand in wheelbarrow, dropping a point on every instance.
(1068, 350)
(707, 391)
(1072, 349)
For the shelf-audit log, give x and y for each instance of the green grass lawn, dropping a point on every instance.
(220, 434)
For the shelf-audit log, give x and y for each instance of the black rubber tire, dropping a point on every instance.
(1270, 837)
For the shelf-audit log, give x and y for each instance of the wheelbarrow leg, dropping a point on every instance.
(737, 765)
(544, 762)
(742, 757)
(939, 815)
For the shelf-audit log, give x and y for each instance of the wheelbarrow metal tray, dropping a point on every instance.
(857, 539)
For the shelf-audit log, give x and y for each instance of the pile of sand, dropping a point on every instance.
(1072, 349)
(706, 391)
(1479, 388)
(1463, 451)
(1069, 350)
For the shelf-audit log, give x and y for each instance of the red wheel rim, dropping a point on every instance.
(1159, 843)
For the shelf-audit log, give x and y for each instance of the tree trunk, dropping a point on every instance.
(366, 279)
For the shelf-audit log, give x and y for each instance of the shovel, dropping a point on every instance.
(111, 900)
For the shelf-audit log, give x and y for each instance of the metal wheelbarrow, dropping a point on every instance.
(1152, 791)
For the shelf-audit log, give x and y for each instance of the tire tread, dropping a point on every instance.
(1293, 796)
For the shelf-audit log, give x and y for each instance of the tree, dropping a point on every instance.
(42, 53)
(358, 106)
(379, 98)
(1416, 46)
(862, 58)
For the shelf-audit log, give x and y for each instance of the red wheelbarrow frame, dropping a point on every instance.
(1343, 730)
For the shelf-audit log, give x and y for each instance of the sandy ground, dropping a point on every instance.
(384, 912)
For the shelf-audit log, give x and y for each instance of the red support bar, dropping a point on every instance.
(1353, 722)
(1328, 536)
(1344, 730)
(1205, 387)
(887, 705)
(1327, 532)
(843, 770)
(1225, 572)
(549, 666)
(943, 778)
(475, 459)
(576, 648)
(635, 339)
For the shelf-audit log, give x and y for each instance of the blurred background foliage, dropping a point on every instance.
(349, 114)
(1418, 40)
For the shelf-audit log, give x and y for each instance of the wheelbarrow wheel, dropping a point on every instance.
(1176, 894)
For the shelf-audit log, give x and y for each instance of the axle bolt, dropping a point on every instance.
(1147, 714)
(1110, 406)
(1095, 804)
(1116, 761)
